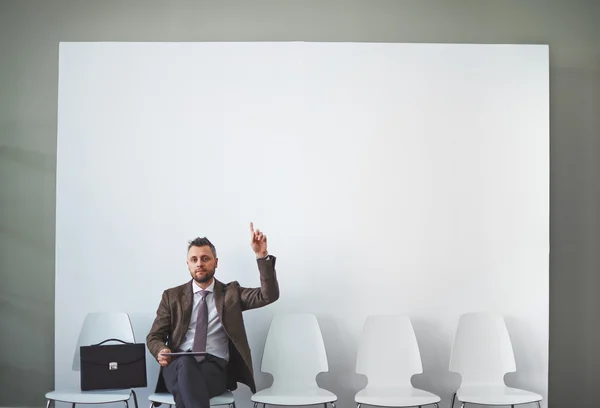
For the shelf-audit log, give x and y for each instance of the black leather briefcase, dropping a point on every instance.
(113, 366)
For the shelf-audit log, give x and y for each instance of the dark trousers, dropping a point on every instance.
(194, 383)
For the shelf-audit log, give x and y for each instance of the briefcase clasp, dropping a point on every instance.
(113, 366)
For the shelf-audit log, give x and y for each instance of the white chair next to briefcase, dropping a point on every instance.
(96, 328)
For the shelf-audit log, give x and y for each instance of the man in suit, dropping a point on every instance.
(206, 315)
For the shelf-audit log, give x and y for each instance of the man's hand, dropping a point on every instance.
(164, 360)
(258, 242)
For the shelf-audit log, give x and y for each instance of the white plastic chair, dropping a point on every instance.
(294, 354)
(96, 328)
(165, 398)
(482, 354)
(389, 356)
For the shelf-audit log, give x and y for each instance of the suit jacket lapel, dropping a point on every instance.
(219, 297)
(187, 303)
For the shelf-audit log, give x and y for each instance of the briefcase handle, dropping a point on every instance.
(99, 344)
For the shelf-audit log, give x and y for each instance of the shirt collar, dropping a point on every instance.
(196, 288)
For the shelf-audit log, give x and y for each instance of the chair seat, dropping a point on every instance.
(165, 398)
(288, 395)
(162, 398)
(495, 395)
(89, 397)
(395, 397)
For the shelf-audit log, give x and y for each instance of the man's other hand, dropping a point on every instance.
(164, 360)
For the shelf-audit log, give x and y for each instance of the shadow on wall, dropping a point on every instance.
(341, 379)
(435, 358)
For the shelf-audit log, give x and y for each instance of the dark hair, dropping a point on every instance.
(200, 242)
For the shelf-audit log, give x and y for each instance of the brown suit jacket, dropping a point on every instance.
(175, 311)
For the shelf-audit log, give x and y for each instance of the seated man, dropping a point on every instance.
(206, 315)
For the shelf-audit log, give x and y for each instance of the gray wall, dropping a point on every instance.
(29, 35)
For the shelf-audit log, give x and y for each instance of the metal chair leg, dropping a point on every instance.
(453, 399)
(135, 402)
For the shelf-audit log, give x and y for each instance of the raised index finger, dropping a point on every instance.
(252, 228)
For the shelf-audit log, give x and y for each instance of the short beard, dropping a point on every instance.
(206, 278)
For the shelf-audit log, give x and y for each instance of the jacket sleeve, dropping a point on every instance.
(252, 298)
(160, 331)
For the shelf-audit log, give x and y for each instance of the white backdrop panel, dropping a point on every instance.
(389, 178)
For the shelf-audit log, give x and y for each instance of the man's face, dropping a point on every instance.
(202, 263)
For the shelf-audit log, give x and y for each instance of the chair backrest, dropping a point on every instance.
(294, 350)
(100, 326)
(388, 352)
(482, 351)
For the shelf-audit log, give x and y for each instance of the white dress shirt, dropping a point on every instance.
(217, 342)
